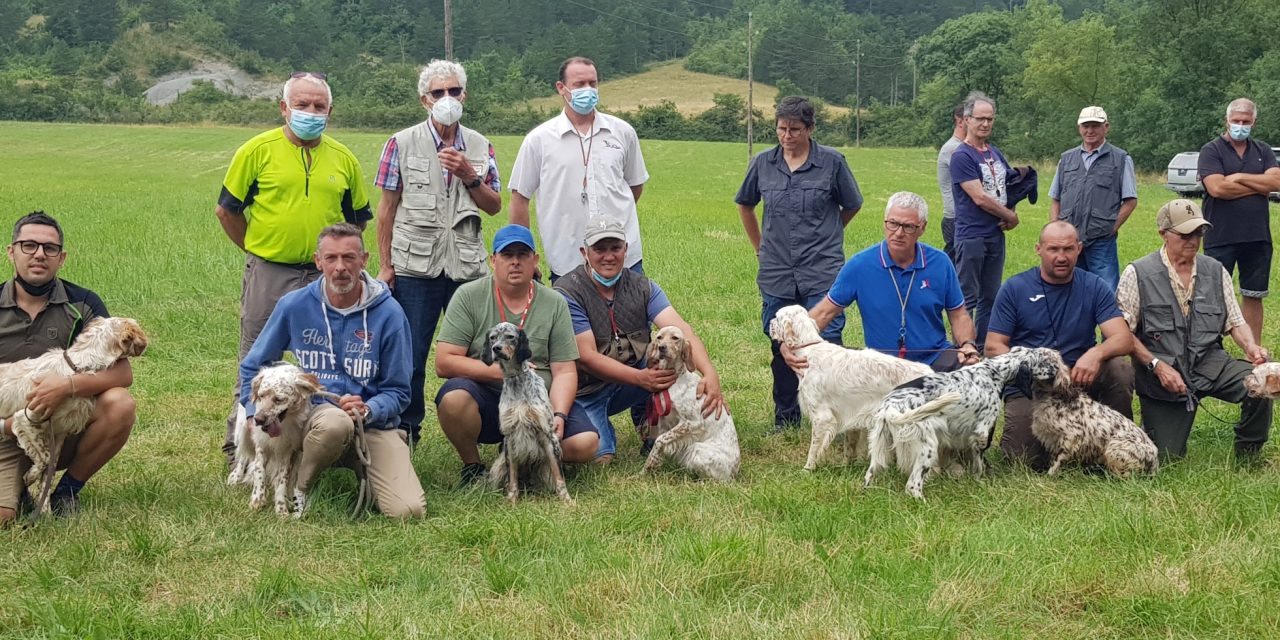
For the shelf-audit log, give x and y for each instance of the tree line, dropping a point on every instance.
(1164, 69)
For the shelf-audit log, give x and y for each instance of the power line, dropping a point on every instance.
(624, 19)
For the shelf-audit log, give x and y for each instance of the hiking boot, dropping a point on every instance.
(26, 504)
(472, 474)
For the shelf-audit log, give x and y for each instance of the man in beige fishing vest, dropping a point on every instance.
(436, 177)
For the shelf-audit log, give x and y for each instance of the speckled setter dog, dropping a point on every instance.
(1075, 428)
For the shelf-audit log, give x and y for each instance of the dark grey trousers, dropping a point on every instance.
(1169, 423)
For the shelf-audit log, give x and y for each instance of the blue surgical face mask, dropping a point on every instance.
(1240, 132)
(584, 100)
(607, 282)
(307, 125)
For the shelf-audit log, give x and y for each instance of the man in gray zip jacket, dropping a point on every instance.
(436, 177)
(1179, 304)
(1095, 190)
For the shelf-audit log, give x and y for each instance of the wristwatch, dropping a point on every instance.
(561, 415)
(1151, 366)
(474, 183)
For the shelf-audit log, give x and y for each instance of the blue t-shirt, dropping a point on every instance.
(928, 286)
(658, 303)
(993, 170)
(1035, 313)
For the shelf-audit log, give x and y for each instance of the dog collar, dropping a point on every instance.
(71, 364)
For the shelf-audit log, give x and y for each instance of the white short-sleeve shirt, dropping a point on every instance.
(550, 165)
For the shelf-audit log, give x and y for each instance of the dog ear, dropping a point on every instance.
(523, 352)
(686, 354)
(486, 352)
(1023, 380)
(253, 389)
(133, 342)
(308, 384)
(1272, 384)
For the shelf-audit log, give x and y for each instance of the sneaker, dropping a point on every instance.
(64, 504)
(472, 474)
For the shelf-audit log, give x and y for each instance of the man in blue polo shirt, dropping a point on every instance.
(902, 288)
(1059, 306)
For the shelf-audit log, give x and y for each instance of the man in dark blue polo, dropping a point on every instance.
(1238, 172)
(809, 195)
(903, 288)
(1060, 306)
(1095, 190)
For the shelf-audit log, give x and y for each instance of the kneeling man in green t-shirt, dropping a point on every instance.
(467, 403)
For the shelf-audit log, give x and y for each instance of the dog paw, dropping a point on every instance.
(513, 498)
(257, 502)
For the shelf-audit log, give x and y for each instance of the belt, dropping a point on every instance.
(299, 266)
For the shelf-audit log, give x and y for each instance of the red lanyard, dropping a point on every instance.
(502, 305)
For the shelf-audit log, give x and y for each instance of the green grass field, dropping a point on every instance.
(691, 91)
(165, 550)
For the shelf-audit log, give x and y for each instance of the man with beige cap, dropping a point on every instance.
(1095, 189)
(1179, 304)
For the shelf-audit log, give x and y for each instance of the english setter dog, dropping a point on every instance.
(1075, 428)
(1264, 381)
(706, 446)
(530, 448)
(102, 342)
(841, 388)
(269, 446)
(946, 416)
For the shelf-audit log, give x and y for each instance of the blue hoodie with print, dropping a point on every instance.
(363, 350)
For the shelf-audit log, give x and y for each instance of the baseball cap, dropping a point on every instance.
(1092, 114)
(511, 234)
(1180, 216)
(603, 228)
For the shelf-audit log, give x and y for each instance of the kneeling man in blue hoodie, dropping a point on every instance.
(347, 330)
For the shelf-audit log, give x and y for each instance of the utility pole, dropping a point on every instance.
(448, 29)
(750, 95)
(857, 105)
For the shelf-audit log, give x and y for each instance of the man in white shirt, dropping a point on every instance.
(581, 163)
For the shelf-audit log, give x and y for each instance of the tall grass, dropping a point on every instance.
(165, 550)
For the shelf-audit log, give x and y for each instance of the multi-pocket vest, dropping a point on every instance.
(1191, 342)
(1090, 198)
(437, 228)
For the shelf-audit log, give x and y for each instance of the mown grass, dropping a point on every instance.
(164, 550)
(691, 91)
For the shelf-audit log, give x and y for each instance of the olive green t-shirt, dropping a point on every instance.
(473, 311)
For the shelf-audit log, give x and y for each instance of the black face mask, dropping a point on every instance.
(37, 290)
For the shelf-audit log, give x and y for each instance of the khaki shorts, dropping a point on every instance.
(14, 463)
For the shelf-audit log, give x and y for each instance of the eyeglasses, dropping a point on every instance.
(1198, 233)
(982, 120)
(893, 225)
(318, 75)
(436, 94)
(51, 249)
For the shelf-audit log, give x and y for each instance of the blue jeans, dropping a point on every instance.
(1099, 258)
(423, 300)
(786, 386)
(980, 266)
(610, 400)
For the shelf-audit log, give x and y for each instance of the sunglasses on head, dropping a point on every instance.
(309, 74)
(436, 94)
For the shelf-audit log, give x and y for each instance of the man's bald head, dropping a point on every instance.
(1059, 230)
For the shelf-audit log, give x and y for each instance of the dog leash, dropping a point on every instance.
(364, 492)
(1194, 402)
